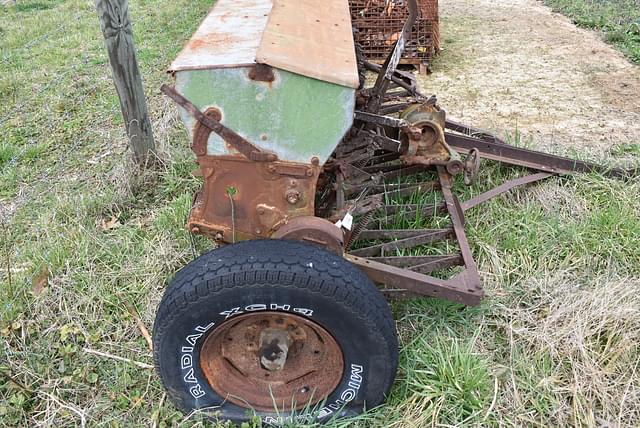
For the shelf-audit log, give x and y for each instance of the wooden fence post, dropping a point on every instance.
(118, 36)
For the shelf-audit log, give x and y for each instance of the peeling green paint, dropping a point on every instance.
(296, 117)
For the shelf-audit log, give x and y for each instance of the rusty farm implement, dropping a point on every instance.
(307, 173)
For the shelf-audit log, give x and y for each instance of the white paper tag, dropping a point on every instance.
(339, 224)
(347, 221)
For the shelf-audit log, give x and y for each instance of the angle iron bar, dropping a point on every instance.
(457, 220)
(397, 78)
(412, 208)
(396, 95)
(391, 187)
(471, 131)
(404, 172)
(369, 234)
(394, 108)
(384, 142)
(444, 262)
(404, 191)
(384, 158)
(529, 158)
(415, 282)
(424, 211)
(380, 120)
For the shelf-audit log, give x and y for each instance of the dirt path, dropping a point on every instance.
(513, 64)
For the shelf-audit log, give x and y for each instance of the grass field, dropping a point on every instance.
(84, 238)
(619, 20)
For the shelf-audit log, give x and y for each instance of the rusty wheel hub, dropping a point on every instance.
(272, 359)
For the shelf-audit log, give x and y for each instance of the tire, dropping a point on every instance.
(267, 278)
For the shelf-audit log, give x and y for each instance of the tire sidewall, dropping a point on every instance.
(366, 354)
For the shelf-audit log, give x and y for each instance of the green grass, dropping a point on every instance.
(554, 344)
(619, 20)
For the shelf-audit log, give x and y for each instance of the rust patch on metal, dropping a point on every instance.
(229, 36)
(262, 73)
(242, 199)
(311, 39)
(272, 361)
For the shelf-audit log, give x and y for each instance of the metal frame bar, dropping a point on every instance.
(503, 188)
(512, 155)
(410, 274)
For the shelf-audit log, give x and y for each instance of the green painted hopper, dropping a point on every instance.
(307, 107)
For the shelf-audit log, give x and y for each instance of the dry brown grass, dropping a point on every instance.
(590, 333)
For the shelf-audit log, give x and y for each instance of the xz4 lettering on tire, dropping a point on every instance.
(282, 329)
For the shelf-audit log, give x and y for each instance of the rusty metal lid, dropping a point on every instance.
(293, 35)
(312, 39)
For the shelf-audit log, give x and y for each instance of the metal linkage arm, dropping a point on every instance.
(540, 161)
(248, 149)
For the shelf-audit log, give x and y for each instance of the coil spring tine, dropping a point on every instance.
(362, 224)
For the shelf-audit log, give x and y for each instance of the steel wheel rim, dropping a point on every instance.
(233, 356)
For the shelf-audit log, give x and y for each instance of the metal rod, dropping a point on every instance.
(401, 244)
(413, 261)
(483, 197)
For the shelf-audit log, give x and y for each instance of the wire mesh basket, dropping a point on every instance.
(378, 24)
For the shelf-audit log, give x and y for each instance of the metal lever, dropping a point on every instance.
(248, 149)
(391, 63)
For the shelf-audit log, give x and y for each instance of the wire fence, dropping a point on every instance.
(59, 168)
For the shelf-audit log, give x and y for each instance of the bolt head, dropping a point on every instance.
(292, 196)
